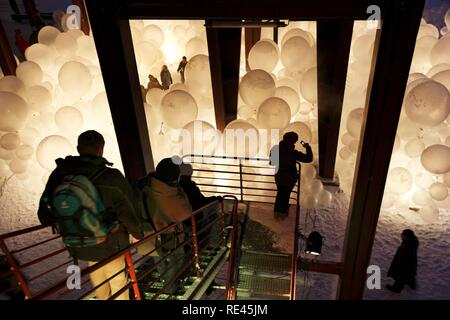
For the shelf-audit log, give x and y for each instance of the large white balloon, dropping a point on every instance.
(10, 141)
(274, 113)
(47, 35)
(297, 32)
(196, 46)
(154, 97)
(39, 98)
(324, 198)
(443, 77)
(399, 180)
(436, 159)
(30, 73)
(69, 120)
(12, 84)
(153, 34)
(308, 85)
(423, 180)
(18, 166)
(74, 78)
(198, 76)
(240, 139)
(428, 103)
(51, 148)
(439, 53)
(297, 54)
(247, 112)
(438, 191)
(303, 131)
(429, 214)
(315, 186)
(66, 45)
(256, 86)
(13, 112)
(354, 122)
(421, 198)
(24, 152)
(178, 108)
(41, 54)
(199, 137)
(264, 55)
(414, 147)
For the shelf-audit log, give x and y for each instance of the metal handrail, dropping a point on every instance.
(232, 264)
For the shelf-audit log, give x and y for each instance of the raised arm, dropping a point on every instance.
(305, 157)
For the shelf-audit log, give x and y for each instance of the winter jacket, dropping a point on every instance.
(404, 265)
(285, 162)
(167, 204)
(166, 79)
(117, 198)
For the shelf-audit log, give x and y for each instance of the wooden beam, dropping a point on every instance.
(32, 13)
(394, 49)
(330, 267)
(333, 49)
(8, 62)
(252, 36)
(250, 9)
(84, 17)
(224, 46)
(118, 64)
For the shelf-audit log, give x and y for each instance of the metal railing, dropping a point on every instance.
(229, 175)
(130, 255)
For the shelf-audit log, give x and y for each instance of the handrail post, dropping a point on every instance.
(195, 242)
(296, 236)
(231, 275)
(15, 269)
(132, 271)
(240, 179)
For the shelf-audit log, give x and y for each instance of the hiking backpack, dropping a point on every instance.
(79, 213)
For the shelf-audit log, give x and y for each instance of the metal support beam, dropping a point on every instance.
(333, 49)
(7, 61)
(252, 36)
(330, 267)
(84, 17)
(394, 49)
(224, 47)
(118, 64)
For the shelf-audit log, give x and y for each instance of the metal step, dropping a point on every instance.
(262, 262)
(263, 285)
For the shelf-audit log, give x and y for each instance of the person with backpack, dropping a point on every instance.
(91, 206)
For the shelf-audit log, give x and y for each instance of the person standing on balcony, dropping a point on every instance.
(284, 157)
(82, 195)
(166, 78)
(181, 68)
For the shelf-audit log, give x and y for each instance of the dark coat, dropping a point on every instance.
(195, 196)
(285, 163)
(116, 195)
(404, 265)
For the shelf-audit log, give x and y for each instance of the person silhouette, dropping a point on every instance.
(181, 68)
(166, 78)
(284, 157)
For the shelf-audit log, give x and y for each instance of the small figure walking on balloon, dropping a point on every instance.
(181, 68)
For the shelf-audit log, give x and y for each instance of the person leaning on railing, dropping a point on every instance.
(166, 203)
(117, 198)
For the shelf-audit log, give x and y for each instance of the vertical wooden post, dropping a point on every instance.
(252, 36)
(333, 50)
(394, 49)
(7, 61)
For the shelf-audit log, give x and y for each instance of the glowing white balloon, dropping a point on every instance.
(346, 138)
(308, 172)
(324, 198)
(290, 96)
(199, 137)
(438, 191)
(315, 186)
(443, 77)
(39, 98)
(436, 159)
(354, 122)
(362, 46)
(74, 78)
(65, 45)
(196, 46)
(41, 54)
(345, 153)
(178, 109)
(18, 166)
(288, 82)
(47, 35)
(154, 97)
(51, 148)
(198, 76)
(414, 148)
(240, 139)
(300, 128)
(12, 84)
(247, 112)
(439, 53)
(310, 201)
(399, 180)
(423, 180)
(264, 55)
(10, 141)
(274, 113)
(297, 32)
(256, 86)
(13, 112)
(438, 68)
(297, 54)
(428, 30)
(388, 201)
(179, 86)
(69, 119)
(421, 198)
(152, 33)
(24, 152)
(30, 73)
(429, 214)
(428, 103)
